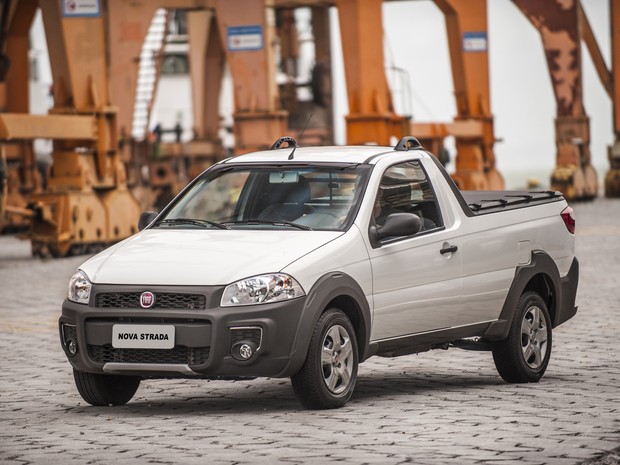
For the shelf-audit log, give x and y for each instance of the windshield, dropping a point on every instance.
(260, 197)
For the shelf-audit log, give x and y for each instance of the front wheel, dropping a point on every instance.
(327, 378)
(100, 390)
(524, 355)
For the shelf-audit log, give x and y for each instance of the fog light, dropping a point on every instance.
(72, 348)
(243, 351)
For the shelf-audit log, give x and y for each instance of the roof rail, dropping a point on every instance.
(408, 143)
(289, 140)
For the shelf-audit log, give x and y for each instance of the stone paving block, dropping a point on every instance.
(433, 408)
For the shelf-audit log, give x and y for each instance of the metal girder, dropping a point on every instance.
(466, 24)
(259, 119)
(76, 211)
(612, 178)
(128, 26)
(371, 117)
(16, 46)
(20, 177)
(587, 34)
(17, 126)
(208, 59)
(559, 24)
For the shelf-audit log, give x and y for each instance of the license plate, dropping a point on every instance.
(143, 336)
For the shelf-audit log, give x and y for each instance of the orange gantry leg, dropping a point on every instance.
(371, 117)
(466, 24)
(559, 25)
(612, 178)
(248, 39)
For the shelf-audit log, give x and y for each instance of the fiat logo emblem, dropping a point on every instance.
(147, 299)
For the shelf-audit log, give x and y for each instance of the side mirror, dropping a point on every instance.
(396, 224)
(146, 218)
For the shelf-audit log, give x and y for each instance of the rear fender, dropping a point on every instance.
(560, 296)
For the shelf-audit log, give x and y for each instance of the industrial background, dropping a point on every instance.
(144, 95)
(109, 107)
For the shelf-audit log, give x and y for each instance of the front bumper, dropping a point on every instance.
(204, 338)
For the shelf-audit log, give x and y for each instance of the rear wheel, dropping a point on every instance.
(327, 378)
(524, 355)
(99, 389)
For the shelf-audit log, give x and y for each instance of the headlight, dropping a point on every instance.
(261, 289)
(79, 288)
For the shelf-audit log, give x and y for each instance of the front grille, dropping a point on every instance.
(179, 354)
(167, 300)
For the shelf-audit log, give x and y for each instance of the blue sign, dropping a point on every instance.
(241, 38)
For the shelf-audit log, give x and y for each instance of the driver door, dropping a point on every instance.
(416, 279)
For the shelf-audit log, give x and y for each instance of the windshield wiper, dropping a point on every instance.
(272, 222)
(196, 221)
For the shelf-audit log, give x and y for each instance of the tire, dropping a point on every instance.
(100, 390)
(524, 355)
(327, 378)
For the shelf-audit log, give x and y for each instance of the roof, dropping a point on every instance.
(335, 154)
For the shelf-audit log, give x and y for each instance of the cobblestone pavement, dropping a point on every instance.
(432, 408)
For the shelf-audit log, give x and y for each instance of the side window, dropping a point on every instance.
(405, 188)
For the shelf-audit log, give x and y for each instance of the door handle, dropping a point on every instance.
(448, 249)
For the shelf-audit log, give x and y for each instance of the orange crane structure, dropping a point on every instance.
(560, 25)
(611, 82)
(19, 178)
(86, 202)
(467, 29)
(91, 199)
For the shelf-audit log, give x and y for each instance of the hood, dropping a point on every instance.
(201, 257)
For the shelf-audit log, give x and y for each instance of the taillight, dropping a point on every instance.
(569, 219)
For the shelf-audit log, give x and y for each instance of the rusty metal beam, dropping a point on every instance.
(259, 119)
(128, 26)
(17, 80)
(587, 34)
(466, 25)
(208, 60)
(469, 129)
(615, 62)
(612, 178)
(16, 126)
(371, 117)
(559, 24)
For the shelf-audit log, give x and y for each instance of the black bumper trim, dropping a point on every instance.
(567, 308)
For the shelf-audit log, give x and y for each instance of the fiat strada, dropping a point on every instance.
(304, 262)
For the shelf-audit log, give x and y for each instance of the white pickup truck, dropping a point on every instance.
(304, 262)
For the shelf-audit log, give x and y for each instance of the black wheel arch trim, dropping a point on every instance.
(331, 286)
(562, 293)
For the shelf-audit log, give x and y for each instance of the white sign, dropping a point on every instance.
(81, 8)
(474, 41)
(143, 336)
(240, 38)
